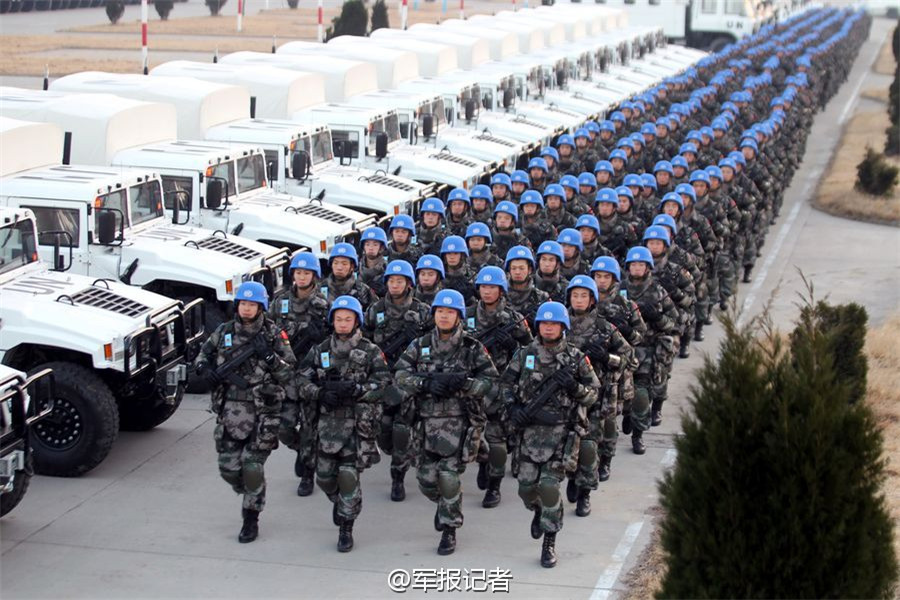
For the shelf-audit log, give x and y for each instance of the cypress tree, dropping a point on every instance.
(353, 20)
(380, 18)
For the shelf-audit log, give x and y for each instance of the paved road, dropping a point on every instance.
(155, 520)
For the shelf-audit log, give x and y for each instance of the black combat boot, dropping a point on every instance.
(298, 465)
(723, 304)
(548, 553)
(482, 479)
(536, 532)
(698, 332)
(626, 423)
(492, 496)
(335, 517)
(571, 490)
(448, 541)
(398, 492)
(747, 271)
(250, 529)
(345, 536)
(604, 470)
(437, 519)
(637, 443)
(306, 482)
(656, 413)
(583, 508)
(684, 350)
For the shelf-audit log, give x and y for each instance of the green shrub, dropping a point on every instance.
(353, 20)
(163, 8)
(874, 175)
(215, 6)
(114, 10)
(380, 18)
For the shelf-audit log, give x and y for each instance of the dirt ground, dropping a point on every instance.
(885, 63)
(645, 579)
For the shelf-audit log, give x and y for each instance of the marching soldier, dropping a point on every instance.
(343, 281)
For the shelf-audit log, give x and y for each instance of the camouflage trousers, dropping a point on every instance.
(704, 291)
(539, 488)
(439, 481)
(243, 469)
(586, 475)
(664, 352)
(298, 432)
(338, 477)
(397, 439)
(496, 434)
(728, 272)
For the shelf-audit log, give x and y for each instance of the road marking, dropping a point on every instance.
(855, 95)
(607, 580)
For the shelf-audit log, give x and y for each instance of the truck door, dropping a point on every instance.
(65, 225)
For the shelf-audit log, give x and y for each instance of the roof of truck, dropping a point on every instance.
(72, 182)
(392, 66)
(471, 51)
(26, 145)
(189, 154)
(502, 43)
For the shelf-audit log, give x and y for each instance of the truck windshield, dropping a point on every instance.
(224, 171)
(115, 202)
(251, 172)
(18, 246)
(146, 202)
(392, 127)
(318, 146)
(534, 83)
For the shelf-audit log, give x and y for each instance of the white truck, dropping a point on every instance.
(118, 353)
(110, 223)
(214, 185)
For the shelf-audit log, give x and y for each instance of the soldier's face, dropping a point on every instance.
(656, 247)
(585, 190)
(453, 259)
(569, 251)
(551, 162)
(637, 145)
(606, 209)
(341, 267)
(457, 207)
(565, 151)
(397, 285)
(530, 209)
(581, 143)
(588, 234)
(550, 331)
(638, 269)
(570, 193)
(344, 321)
(445, 319)
(480, 204)
(646, 192)
(671, 209)
(519, 270)
(603, 280)
(687, 201)
(662, 178)
(476, 243)
(619, 164)
(537, 174)
(303, 278)
(580, 299)
(718, 133)
(554, 202)
(727, 174)
(489, 294)
(428, 278)
(624, 204)
(499, 190)
(714, 183)
(430, 219)
(648, 138)
(503, 220)
(605, 135)
(679, 171)
(689, 157)
(748, 153)
(371, 248)
(248, 310)
(661, 131)
(518, 187)
(700, 188)
(400, 235)
(547, 263)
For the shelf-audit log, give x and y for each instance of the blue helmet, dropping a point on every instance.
(347, 303)
(402, 268)
(639, 254)
(587, 179)
(509, 208)
(582, 133)
(520, 176)
(607, 264)
(618, 116)
(584, 282)
(532, 197)
(618, 153)
(749, 143)
(672, 197)
(538, 163)
(588, 220)
(604, 165)
(252, 291)
(484, 192)
(737, 157)
(679, 161)
(552, 312)
(707, 131)
(623, 190)
(636, 138)
(403, 222)
(430, 261)
(607, 195)
(648, 129)
(518, 253)
(714, 171)
(454, 243)
(727, 162)
(700, 175)
(491, 276)
(657, 232)
(663, 122)
(570, 237)
(431, 205)
(552, 248)
(554, 189)
(569, 181)
(479, 229)
(719, 124)
(459, 194)
(632, 179)
(308, 261)
(345, 250)
(375, 234)
(666, 220)
(501, 179)
(691, 137)
(607, 125)
(449, 299)
(663, 165)
(648, 180)
(565, 139)
(592, 126)
(549, 151)
(686, 189)
(687, 147)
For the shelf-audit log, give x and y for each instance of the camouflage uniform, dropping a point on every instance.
(484, 258)
(616, 235)
(429, 239)
(504, 240)
(554, 285)
(537, 229)
(372, 273)
(410, 254)
(526, 300)
(449, 428)
(332, 287)
(460, 278)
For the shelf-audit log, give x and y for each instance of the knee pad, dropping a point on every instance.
(448, 484)
(347, 480)
(497, 455)
(232, 478)
(327, 485)
(528, 493)
(548, 492)
(587, 453)
(641, 397)
(254, 476)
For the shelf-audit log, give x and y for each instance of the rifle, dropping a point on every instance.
(398, 343)
(304, 339)
(226, 371)
(491, 336)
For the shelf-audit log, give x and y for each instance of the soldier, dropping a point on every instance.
(584, 152)
(573, 262)
(343, 281)
(607, 351)
(645, 204)
(301, 311)
(551, 157)
(548, 277)
(589, 227)
(535, 226)
(697, 223)
(716, 217)
(547, 388)
(618, 159)
(625, 208)
(374, 258)
(568, 163)
(664, 172)
(392, 323)
(480, 244)
(459, 207)
(246, 362)
(504, 233)
(636, 160)
(660, 315)
(458, 275)
(445, 375)
(583, 202)
(502, 331)
(523, 296)
(555, 212)
(520, 181)
(615, 235)
(603, 173)
(501, 188)
(429, 278)
(653, 150)
(431, 230)
(481, 198)
(537, 173)
(606, 141)
(679, 170)
(731, 242)
(403, 240)
(343, 379)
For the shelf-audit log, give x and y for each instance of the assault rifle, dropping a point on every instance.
(393, 347)
(227, 371)
(498, 336)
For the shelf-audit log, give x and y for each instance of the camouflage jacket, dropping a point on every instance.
(385, 319)
(331, 288)
(373, 276)
(560, 219)
(555, 286)
(486, 216)
(460, 279)
(429, 240)
(579, 266)
(410, 255)
(594, 250)
(305, 320)
(526, 301)
(580, 205)
(484, 258)
(427, 296)
(623, 314)
(617, 235)
(458, 227)
(503, 241)
(716, 217)
(538, 229)
(657, 309)
(481, 321)
(601, 342)
(678, 283)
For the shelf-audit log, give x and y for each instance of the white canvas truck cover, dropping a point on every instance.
(434, 58)
(392, 66)
(531, 38)
(101, 124)
(503, 44)
(278, 92)
(471, 51)
(576, 27)
(25, 145)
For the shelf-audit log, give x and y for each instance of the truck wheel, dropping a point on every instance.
(21, 479)
(80, 431)
(719, 43)
(143, 414)
(215, 316)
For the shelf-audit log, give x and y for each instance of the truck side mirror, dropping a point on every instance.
(427, 126)
(300, 165)
(381, 144)
(470, 109)
(560, 77)
(214, 193)
(509, 96)
(59, 258)
(106, 227)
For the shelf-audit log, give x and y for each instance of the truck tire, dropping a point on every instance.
(83, 426)
(215, 316)
(21, 479)
(144, 414)
(719, 43)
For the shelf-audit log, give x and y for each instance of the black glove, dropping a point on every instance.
(504, 339)
(649, 312)
(598, 353)
(411, 331)
(454, 381)
(624, 329)
(207, 375)
(565, 380)
(517, 416)
(328, 398)
(436, 386)
(344, 389)
(263, 349)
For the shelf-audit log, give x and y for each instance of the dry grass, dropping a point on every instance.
(877, 94)
(883, 396)
(645, 579)
(836, 194)
(885, 63)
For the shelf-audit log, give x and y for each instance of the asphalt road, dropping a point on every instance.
(155, 520)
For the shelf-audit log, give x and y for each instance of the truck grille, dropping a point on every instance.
(527, 122)
(454, 159)
(220, 244)
(382, 180)
(320, 212)
(494, 140)
(99, 297)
